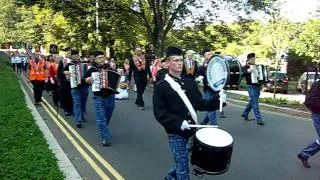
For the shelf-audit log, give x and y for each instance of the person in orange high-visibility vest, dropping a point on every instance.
(37, 76)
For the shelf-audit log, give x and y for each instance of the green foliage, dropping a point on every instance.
(308, 42)
(126, 24)
(273, 101)
(24, 151)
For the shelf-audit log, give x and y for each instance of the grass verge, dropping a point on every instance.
(282, 102)
(24, 153)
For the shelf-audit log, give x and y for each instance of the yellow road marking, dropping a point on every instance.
(77, 146)
(85, 143)
(92, 150)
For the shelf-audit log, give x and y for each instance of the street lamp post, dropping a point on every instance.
(97, 19)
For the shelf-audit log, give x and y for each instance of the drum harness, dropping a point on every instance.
(176, 87)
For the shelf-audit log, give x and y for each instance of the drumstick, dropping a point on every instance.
(203, 126)
(221, 100)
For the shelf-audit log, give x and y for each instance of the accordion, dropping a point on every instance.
(260, 73)
(77, 71)
(105, 80)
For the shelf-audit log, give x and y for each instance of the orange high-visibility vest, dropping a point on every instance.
(37, 70)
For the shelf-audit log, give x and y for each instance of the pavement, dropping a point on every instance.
(140, 150)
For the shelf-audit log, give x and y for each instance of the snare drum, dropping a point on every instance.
(223, 72)
(212, 150)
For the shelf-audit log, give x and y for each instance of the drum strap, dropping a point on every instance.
(176, 87)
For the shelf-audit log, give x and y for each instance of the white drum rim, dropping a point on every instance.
(225, 70)
(205, 136)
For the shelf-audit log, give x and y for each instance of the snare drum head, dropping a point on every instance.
(214, 137)
(217, 73)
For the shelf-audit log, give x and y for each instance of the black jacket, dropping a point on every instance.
(169, 109)
(312, 101)
(63, 83)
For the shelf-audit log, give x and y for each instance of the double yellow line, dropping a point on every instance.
(58, 120)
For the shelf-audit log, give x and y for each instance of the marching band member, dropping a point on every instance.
(207, 91)
(104, 100)
(253, 91)
(163, 70)
(52, 78)
(190, 66)
(171, 112)
(79, 93)
(140, 72)
(37, 76)
(65, 96)
(156, 66)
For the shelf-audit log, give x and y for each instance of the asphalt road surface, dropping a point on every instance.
(140, 150)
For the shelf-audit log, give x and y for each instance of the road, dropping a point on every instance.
(140, 148)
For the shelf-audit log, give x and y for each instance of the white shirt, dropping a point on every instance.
(18, 59)
(188, 63)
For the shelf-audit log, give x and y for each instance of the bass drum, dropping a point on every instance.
(223, 72)
(212, 150)
(235, 72)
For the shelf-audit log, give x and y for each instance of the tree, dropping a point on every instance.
(157, 17)
(160, 16)
(308, 41)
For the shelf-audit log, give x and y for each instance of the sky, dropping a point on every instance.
(299, 10)
(294, 10)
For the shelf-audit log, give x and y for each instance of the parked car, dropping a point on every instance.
(302, 81)
(281, 83)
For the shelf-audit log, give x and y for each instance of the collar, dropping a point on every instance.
(175, 78)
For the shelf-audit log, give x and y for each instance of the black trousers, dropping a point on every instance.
(55, 94)
(141, 87)
(14, 67)
(38, 87)
(65, 98)
(19, 67)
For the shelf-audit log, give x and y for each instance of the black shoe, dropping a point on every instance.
(223, 116)
(261, 122)
(245, 118)
(304, 161)
(79, 125)
(106, 143)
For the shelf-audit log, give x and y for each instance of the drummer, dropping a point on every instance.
(171, 112)
(207, 91)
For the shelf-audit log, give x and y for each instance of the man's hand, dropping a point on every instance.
(89, 80)
(67, 74)
(250, 70)
(185, 125)
(51, 80)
